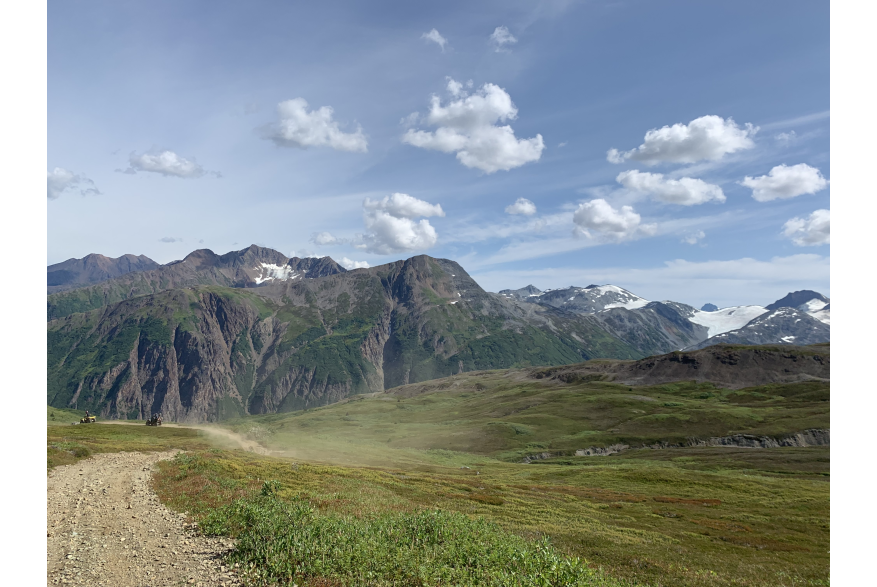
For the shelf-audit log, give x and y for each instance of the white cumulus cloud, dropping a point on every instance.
(297, 127)
(694, 237)
(708, 137)
(166, 163)
(436, 38)
(810, 231)
(521, 206)
(60, 180)
(392, 226)
(467, 126)
(599, 218)
(786, 182)
(325, 238)
(351, 264)
(502, 37)
(686, 191)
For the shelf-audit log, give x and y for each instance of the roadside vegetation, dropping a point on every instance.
(710, 516)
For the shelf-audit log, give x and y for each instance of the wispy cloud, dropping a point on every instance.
(798, 121)
(436, 38)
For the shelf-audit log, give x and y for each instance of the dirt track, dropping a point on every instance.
(105, 526)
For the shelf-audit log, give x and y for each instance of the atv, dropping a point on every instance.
(155, 420)
(87, 420)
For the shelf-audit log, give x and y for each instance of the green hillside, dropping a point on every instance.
(508, 415)
(691, 516)
(209, 353)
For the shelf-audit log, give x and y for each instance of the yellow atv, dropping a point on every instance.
(87, 420)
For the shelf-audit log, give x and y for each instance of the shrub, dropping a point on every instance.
(283, 542)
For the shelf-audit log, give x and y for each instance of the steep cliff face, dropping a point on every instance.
(170, 353)
(207, 353)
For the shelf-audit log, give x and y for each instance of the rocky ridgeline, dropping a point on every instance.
(811, 437)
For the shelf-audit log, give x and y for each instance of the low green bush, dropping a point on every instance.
(282, 542)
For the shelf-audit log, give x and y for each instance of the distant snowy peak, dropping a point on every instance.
(520, 294)
(783, 325)
(622, 297)
(726, 319)
(812, 302)
(796, 299)
(582, 300)
(269, 272)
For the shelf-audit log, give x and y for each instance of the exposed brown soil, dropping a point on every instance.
(105, 526)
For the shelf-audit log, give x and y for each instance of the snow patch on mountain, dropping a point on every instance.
(819, 309)
(627, 300)
(726, 319)
(823, 316)
(269, 272)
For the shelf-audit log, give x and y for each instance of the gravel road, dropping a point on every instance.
(105, 526)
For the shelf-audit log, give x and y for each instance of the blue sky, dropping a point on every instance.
(176, 126)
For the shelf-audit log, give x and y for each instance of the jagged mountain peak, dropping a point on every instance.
(252, 254)
(796, 299)
(199, 258)
(524, 292)
(589, 300)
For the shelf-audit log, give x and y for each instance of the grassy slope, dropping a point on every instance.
(62, 416)
(700, 516)
(696, 516)
(506, 415)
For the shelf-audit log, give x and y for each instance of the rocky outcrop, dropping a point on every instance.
(813, 437)
(807, 438)
(594, 451)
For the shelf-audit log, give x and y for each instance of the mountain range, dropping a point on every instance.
(74, 273)
(252, 331)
